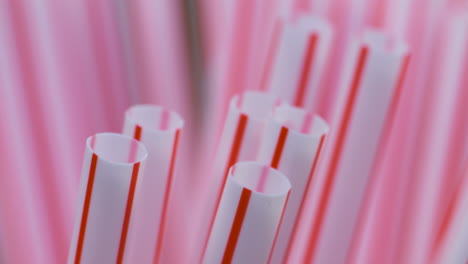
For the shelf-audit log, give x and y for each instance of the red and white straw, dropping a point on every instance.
(374, 66)
(159, 130)
(239, 142)
(299, 60)
(112, 171)
(250, 212)
(292, 143)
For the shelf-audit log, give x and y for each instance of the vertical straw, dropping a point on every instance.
(159, 130)
(301, 54)
(38, 78)
(371, 87)
(292, 143)
(239, 142)
(111, 173)
(250, 212)
(363, 248)
(384, 234)
(23, 218)
(429, 173)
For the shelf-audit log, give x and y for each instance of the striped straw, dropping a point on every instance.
(159, 130)
(239, 142)
(301, 54)
(292, 143)
(374, 66)
(112, 169)
(251, 209)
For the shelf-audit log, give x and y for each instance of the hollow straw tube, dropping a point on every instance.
(370, 89)
(239, 142)
(112, 170)
(23, 217)
(159, 130)
(292, 142)
(377, 214)
(301, 54)
(429, 186)
(251, 209)
(384, 232)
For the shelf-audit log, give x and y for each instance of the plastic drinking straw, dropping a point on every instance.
(347, 18)
(370, 86)
(250, 212)
(162, 77)
(452, 240)
(22, 217)
(423, 32)
(112, 170)
(159, 130)
(236, 72)
(299, 62)
(239, 142)
(364, 249)
(384, 235)
(291, 144)
(37, 78)
(424, 210)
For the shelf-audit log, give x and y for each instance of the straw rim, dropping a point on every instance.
(272, 172)
(158, 110)
(234, 104)
(381, 42)
(104, 157)
(316, 119)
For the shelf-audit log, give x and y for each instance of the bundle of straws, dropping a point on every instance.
(247, 131)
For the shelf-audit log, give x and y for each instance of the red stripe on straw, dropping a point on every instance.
(134, 145)
(278, 228)
(301, 210)
(236, 145)
(399, 88)
(165, 117)
(235, 149)
(387, 130)
(337, 154)
(279, 147)
(270, 59)
(263, 179)
(137, 133)
(87, 202)
(236, 225)
(306, 67)
(306, 125)
(128, 212)
(162, 222)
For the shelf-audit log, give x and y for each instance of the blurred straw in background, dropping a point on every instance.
(390, 182)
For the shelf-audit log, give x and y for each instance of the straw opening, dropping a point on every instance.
(256, 105)
(116, 148)
(260, 178)
(297, 120)
(154, 118)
